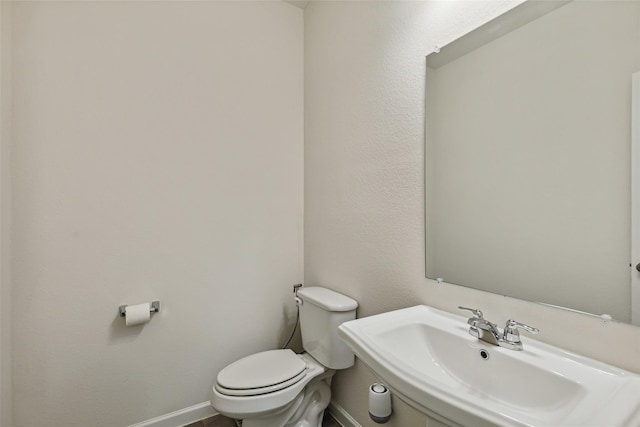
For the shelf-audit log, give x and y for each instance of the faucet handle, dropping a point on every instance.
(511, 333)
(477, 313)
(512, 324)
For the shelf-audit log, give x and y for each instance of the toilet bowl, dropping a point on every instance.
(279, 388)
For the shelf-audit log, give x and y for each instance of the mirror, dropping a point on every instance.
(528, 153)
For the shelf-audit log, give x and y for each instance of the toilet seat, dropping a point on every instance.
(261, 373)
(242, 407)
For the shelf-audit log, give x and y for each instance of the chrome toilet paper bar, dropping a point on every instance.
(154, 308)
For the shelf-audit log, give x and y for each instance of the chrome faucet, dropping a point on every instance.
(489, 332)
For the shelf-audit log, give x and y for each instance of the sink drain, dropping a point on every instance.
(485, 354)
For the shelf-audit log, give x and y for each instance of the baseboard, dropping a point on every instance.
(342, 416)
(181, 417)
(205, 410)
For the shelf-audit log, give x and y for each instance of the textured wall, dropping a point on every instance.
(157, 155)
(364, 215)
(5, 215)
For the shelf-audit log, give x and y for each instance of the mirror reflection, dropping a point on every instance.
(528, 157)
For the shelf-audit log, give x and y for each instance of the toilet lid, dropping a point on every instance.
(262, 371)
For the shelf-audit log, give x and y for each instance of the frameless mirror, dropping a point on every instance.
(528, 154)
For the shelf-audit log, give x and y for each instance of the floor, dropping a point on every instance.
(220, 421)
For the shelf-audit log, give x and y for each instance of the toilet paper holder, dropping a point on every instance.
(154, 308)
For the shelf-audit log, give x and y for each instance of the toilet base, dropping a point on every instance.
(306, 410)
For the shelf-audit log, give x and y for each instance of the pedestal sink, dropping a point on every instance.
(429, 360)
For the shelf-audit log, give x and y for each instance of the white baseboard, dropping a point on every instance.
(342, 416)
(205, 410)
(181, 417)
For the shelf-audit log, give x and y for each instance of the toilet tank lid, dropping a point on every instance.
(327, 299)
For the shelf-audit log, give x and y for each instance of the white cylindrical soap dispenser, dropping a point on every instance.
(379, 403)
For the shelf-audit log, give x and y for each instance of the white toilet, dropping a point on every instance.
(279, 388)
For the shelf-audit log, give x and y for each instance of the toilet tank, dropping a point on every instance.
(321, 312)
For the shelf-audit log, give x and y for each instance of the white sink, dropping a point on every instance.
(429, 360)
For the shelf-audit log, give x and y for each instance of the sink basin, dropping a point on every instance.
(429, 360)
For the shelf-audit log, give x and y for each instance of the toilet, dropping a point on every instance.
(279, 388)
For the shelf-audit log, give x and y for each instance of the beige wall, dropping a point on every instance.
(364, 212)
(157, 154)
(5, 215)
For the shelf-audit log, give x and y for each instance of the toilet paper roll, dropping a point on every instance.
(137, 314)
(379, 403)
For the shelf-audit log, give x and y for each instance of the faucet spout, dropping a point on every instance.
(487, 331)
